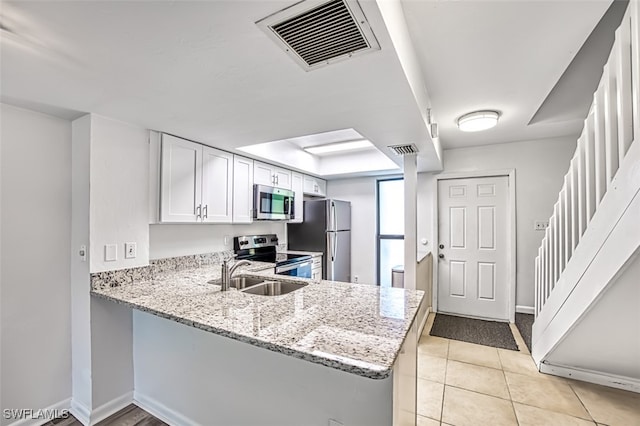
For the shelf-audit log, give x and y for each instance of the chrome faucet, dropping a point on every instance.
(227, 273)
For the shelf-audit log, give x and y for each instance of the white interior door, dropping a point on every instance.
(473, 251)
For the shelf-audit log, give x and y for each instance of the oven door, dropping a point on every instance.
(299, 270)
(272, 203)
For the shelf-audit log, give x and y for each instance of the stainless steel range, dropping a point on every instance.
(263, 248)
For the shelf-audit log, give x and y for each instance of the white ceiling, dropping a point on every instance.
(498, 55)
(204, 71)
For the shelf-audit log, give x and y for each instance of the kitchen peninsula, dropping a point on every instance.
(327, 351)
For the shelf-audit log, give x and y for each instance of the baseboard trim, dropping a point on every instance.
(161, 411)
(65, 404)
(599, 378)
(520, 309)
(111, 407)
(80, 412)
(424, 321)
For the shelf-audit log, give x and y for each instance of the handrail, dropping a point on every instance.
(608, 133)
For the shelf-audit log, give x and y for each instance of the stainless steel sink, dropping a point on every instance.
(240, 282)
(273, 288)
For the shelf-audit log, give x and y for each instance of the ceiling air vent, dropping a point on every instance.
(404, 149)
(317, 33)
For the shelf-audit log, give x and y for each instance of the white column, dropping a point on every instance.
(410, 220)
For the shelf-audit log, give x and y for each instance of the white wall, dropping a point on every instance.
(188, 376)
(540, 168)
(186, 239)
(361, 192)
(608, 339)
(80, 298)
(110, 205)
(119, 192)
(35, 272)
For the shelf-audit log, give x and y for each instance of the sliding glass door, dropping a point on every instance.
(390, 238)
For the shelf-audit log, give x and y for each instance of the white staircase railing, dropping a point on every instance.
(609, 131)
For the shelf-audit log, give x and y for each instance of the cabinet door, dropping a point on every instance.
(297, 184)
(321, 186)
(283, 178)
(313, 186)
(181, 180)
(309, 185)
(263, 174)
(242, 190)
(217, 186)
(317, 266)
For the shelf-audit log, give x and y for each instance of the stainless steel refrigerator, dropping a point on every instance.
(327, 229)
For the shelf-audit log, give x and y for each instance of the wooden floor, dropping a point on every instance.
(128, 416)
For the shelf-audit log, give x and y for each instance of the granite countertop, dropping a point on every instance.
(350, 327)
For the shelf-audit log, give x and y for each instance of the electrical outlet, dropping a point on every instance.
(356, 278)
(130, 250)
(540, 225)
(110, 252)
(226, 240)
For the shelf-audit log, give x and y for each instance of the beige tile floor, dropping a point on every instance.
(462, 384)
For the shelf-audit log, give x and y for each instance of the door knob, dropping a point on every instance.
(441, 246)
(441, 256)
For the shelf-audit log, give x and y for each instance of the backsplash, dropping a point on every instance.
(156, 267)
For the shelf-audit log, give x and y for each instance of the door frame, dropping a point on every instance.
(511, 238)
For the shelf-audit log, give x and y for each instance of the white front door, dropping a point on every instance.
(473, 251)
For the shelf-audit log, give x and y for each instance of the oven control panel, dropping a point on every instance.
(254, 241)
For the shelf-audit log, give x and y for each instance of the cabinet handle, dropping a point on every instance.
(206, 211)
(199, 211)
(277, 179)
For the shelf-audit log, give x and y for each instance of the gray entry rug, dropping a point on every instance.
(481, 332)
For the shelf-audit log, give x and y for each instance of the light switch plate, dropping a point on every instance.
(130, 250)
(540, 225)
(110, 252)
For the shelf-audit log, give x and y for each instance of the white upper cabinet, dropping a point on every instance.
(181, 180)
(283, 178)
(267, 174)
(242, 190)
(315, 186)
(263, 174)
(217, 186)
(297, 185)
(196, 182)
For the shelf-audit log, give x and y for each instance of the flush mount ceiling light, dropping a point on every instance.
(478, 120)
(339, 147)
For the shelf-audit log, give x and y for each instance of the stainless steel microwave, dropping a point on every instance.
(271, 203)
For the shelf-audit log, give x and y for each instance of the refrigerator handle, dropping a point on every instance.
(335, 246)
(334, 220)
(332, 245)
